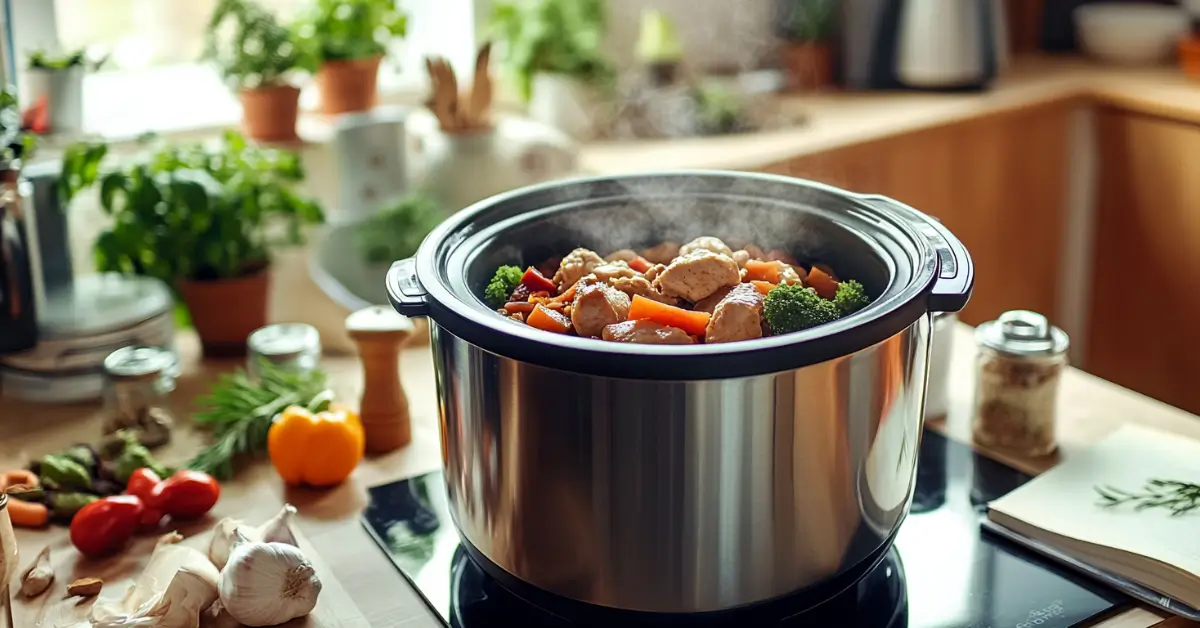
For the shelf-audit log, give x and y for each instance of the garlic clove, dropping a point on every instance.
(278, 529)
(38, 576)
(222, 541)
(178, 606)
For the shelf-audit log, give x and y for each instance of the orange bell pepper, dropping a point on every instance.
(317, 450)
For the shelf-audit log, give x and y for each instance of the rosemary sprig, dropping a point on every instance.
(1178, 497)
(239, 412)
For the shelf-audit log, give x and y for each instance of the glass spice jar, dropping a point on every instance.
(138, 382)
(294, 346)
(1020, 363)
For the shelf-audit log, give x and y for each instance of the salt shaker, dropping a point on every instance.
(293, 346)
(380, 332)
(1020, 363)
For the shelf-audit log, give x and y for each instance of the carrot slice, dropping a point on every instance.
(548, 320)
(640, 264)
(822, 282)
(687, 320)
(23, 477)
(763, 286)
(27, 514)
(769, 272)
(828, 271)
(569, 295)
(537, 282)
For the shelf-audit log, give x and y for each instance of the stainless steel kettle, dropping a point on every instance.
(20, 265)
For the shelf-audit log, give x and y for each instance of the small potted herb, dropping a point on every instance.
(258, 60)
(204, 220)
(659, 48)
(343, 41)
(55, 83)
(551, 50)
(806, 27)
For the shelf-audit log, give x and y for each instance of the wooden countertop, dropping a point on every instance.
(1089, 409)
(837, 120)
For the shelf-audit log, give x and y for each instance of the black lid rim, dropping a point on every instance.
(895, 311)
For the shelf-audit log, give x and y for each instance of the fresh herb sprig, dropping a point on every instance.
(1178, 497)
(239, 412)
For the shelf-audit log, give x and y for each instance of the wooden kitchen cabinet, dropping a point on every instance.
(998, 182)
(1145, 307)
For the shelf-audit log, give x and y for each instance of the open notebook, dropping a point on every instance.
(1062, 511)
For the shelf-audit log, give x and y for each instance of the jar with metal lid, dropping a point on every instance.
(138, 382)
(294, 346)
(1020, 363)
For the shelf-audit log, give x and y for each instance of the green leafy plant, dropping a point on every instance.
(16, 142)
(258, 52)
(1178, 497)
(42, 60)
(189, 211)
(552, 36)
(396, 233)
(806, 21)
(342, 30)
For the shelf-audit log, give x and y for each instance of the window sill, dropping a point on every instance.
(191, 101)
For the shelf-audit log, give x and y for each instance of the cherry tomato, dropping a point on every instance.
(103, 526)
(142, 484)
(186, 494)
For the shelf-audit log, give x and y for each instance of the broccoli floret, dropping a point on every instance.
(502, 285)
(790, 308)
(851, 297)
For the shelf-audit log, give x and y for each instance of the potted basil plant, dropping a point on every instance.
(806, 27)
(343, 41)
(204, 220)
(259, 60)
(551, 50)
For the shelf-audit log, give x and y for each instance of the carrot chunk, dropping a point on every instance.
(769, 272)
(640, 264)
(691, 322)
(546, 319)
(762, 286)
(822, 282)
(537, 282)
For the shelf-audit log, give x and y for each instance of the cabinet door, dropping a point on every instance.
(1145, 315)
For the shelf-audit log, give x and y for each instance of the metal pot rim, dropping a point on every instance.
(931, 272)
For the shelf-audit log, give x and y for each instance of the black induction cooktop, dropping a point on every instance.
(943, 572)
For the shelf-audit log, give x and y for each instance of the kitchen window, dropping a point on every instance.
(154, 80)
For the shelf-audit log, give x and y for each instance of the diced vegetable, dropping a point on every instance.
(537, 282)
(640, 264)
(793, 308)
(851, 297)
(769, 272)
(763, 287)
(546, 319)
(519, 307)
(822, 282)
(27, 514)
(691, 322)
(501, 285)
(569, 295)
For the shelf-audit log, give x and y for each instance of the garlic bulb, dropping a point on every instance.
(176, 586)
(265, 584)
(277, 529)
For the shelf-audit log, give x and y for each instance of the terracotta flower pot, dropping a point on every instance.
(225, 311)
(1189, 56)
(269, 113)
(347, 86)
(808, 65)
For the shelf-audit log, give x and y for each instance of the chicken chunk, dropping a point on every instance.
(709, 303)
(574, 266)
(646, 332)
(737, 317)
(697, 275)
(611, 270)
(653, 272)
(707, 243)
(597, 305)
(640, 286)
(741, 257)
(789, 276)
(622, 255)
(662, 254)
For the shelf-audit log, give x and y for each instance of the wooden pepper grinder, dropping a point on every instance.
(380, 332)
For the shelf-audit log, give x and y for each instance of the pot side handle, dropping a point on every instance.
(405, 291)
(956, 273)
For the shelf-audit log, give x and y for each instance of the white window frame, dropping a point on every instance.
(121, 105)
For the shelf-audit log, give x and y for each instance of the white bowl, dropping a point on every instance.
(1130, 34)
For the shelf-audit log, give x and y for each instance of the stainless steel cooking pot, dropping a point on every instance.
(682, 479)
